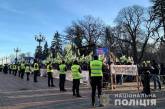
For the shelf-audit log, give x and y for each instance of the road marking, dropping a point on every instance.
(20, 91)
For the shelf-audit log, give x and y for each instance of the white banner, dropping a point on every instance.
(84, 80)
(124, 69)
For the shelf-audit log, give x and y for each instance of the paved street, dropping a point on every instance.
(16, 93)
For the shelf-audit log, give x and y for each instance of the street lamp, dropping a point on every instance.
(40, 38)
(16, 50)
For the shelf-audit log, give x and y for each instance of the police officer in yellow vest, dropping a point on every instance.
(36, 70)
(22, 69)
(96, 76)
(76, 70)
(10, 68)
(62, 76)
(19, 69)
(15, 69)
(50, 75)
(27, 71)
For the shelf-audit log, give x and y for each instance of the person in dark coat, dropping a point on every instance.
(155, 74)
(145, 78)
(5, 69)
(162, 72)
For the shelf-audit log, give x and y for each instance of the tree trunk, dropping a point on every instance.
(134, 49)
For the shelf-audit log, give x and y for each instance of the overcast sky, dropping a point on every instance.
(20, 20)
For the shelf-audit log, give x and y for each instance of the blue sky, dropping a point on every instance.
(20, 20)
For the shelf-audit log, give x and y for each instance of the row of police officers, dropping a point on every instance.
(95, 73)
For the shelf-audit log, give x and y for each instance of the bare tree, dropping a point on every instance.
(86, 33)
(137, 27)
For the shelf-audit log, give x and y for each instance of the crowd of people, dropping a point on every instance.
(95, 73)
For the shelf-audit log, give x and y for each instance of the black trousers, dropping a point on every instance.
(35, 75)
(5, 72)
(19, 73)
(50, 79)
(9, 71)
(15, 72)
(75, 88)
(22, 73)
(146, 86)
(62, 82)
(96, 82)
(27, 73)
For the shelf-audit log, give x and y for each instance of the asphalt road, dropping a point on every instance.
(16, 93)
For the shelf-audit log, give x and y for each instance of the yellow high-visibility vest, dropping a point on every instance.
(36, 66)
(27, 69)
(14, 67)
(22, 66)
(49, 68)
(62, 68)
(75, 72)
(96, 68)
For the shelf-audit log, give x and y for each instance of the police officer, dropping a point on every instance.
(10, 68)
(76, 70)
(15, 69)
(19, 69)
(96, 76)
(36, 70)
(27, 71)
(22, 69)
(62, 76)
(50, 75)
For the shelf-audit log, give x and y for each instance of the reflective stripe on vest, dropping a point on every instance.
(36, 66)
(75, 72)
(10, 66)
(96, 68)
(62, 68)
(18, 68)
(22, 66)
(49, 68)
(27, 69)
(14, 67)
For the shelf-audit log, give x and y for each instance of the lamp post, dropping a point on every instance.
(16, 50)
(39, 38)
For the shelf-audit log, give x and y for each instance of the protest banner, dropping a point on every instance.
(130, 70)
